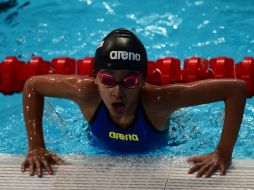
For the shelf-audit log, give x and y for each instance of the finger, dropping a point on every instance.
(47, 166)
(56, 159)
(223, 169)
(195, 159)
(38, 168)
(195, 168)
(211, 170)
(24, 166)
(31, 168)
(201, 171)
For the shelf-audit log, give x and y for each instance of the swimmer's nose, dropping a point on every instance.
(118, 90)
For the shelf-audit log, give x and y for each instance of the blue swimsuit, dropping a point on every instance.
(141, 136)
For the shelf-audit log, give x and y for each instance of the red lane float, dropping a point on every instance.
(12, 74)
(245, 71)
(196, 68)
(37, 66)
(63, 65)
(85, 66)
(163, 71)
(169, 70)
(153, 73)
(223, 67)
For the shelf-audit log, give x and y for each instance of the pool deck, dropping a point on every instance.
(123, 172)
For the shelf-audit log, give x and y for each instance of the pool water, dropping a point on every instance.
(167, 28)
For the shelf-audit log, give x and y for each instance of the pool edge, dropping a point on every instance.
(103, 159)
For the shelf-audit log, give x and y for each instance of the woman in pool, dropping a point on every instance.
(126, 113)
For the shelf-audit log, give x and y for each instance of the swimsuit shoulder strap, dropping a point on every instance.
(91, 122)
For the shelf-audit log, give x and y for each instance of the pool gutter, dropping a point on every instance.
(123, 172)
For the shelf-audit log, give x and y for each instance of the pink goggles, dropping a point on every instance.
(109, 81)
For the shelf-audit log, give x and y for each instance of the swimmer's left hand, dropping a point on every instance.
(206, 165)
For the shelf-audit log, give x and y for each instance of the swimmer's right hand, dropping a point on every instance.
(39, 158)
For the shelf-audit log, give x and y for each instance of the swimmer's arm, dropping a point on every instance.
(71, 87)
(232, 92)
(35, 88)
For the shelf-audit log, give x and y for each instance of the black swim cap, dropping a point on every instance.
(121, 49)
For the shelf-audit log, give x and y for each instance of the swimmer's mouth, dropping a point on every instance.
(118, 106)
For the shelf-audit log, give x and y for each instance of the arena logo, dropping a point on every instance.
(123, 137)
(124, 55)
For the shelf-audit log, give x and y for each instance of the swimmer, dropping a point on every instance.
(124, 111)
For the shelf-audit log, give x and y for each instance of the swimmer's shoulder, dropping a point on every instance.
(151, 96)
(63, 86)
(87, 97)
(80, 89)
(162, 96)
(86, 89)
(83, 91)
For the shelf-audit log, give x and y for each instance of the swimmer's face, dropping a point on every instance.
(119, 89)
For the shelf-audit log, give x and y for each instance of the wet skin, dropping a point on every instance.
(122, 102)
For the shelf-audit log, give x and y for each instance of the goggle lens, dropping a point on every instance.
(131, 81)
(128, 82)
